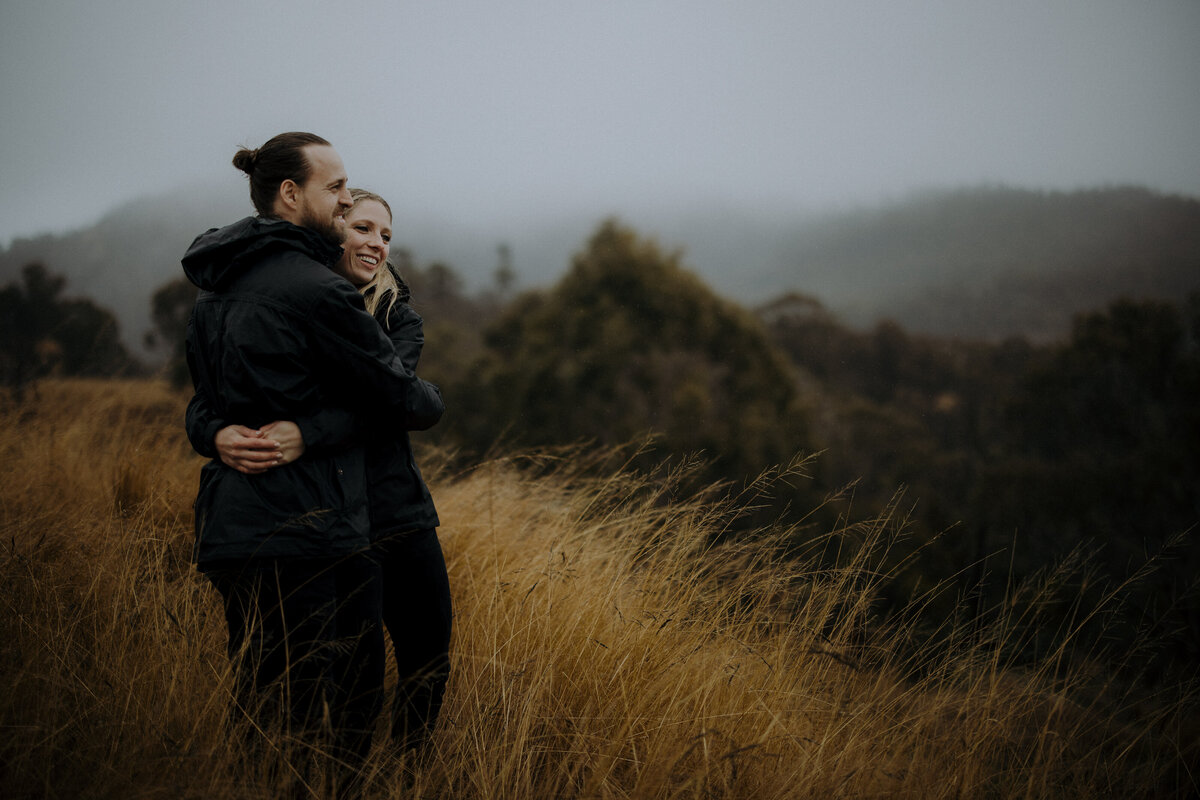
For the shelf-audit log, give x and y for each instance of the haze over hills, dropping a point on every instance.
(979, 263)
(995, 262)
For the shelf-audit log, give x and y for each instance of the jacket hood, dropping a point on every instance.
(220, 254)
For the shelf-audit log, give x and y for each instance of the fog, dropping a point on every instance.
(495, 114)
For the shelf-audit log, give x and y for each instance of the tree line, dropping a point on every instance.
(43, 333)
(1007, 458)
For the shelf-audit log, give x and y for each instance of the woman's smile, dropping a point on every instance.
(368, 239)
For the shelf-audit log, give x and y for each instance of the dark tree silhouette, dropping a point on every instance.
(631, 343)
(42, 333)
(170, 307)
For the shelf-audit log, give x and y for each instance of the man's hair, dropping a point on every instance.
(280, 159)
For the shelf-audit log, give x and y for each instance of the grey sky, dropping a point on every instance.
(491, 112)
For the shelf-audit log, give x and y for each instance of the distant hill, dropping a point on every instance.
(988, 262)
(131, 251)
(128, 253)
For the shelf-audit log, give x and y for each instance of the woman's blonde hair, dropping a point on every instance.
(386, 287)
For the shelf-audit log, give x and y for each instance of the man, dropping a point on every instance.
(276, 335)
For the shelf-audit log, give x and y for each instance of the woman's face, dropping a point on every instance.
(368, 237)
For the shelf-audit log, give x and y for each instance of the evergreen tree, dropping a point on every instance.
(171, 306)
(42, 333)
(631, 343)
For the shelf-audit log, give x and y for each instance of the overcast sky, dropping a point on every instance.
(491, 111)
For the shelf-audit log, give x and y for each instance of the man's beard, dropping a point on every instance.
(332, 229)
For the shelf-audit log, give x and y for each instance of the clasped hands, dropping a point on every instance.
(253, 451)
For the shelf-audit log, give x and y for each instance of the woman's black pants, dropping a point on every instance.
(417, 613)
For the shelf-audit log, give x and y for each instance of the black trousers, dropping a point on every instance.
(305, 638)
(417, 613)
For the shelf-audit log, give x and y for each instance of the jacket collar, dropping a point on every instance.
(219, 254)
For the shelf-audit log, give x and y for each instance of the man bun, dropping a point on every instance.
(245, 160)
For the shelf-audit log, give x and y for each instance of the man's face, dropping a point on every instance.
(325, 197)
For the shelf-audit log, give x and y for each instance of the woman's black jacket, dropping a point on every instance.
(399, 498)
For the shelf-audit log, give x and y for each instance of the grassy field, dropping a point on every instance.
(603, 648)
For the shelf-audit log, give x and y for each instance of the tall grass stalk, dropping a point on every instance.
(613, 639)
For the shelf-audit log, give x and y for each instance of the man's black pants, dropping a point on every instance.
(304, 637)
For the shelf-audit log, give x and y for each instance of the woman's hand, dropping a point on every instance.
(288, 439)
(253, 451)
(246, 450)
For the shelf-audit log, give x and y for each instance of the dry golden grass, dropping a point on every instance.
(603, 647)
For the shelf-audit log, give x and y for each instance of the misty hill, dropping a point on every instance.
(121, 259)
(988, 262)
(128, 253)
(991, 263)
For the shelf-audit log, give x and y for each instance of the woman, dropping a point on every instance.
(415, 588)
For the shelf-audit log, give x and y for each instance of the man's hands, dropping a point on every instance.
(253, 451)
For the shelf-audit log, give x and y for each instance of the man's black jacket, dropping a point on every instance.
(276, 335)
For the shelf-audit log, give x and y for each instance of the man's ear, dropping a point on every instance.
(289, 195)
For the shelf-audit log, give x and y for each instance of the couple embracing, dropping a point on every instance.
(312, 519)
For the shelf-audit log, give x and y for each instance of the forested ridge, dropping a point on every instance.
(988, 262)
